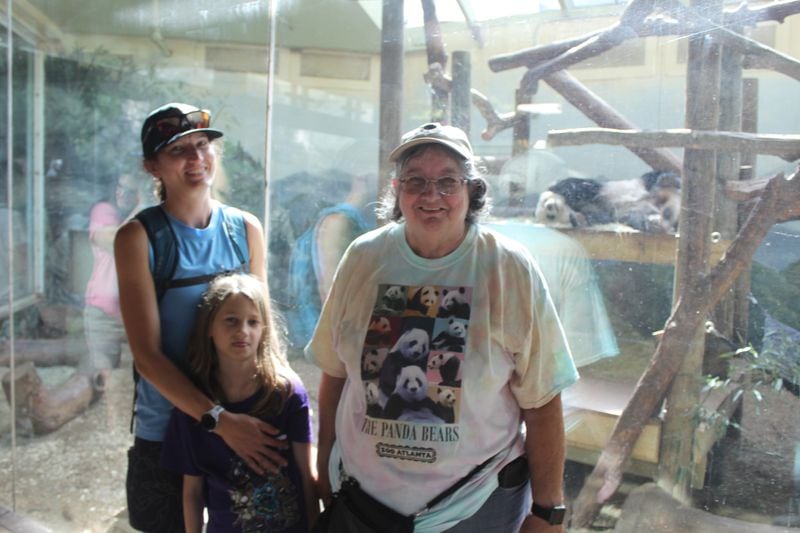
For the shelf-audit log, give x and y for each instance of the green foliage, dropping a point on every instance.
(94, 105)
(244, 179)
(778, 292)
(765, 369)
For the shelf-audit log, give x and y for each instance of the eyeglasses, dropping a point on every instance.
(169, 126)
(446, 185)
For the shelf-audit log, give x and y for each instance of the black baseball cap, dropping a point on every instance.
(172, 121)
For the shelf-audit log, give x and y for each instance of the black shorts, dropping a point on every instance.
(154, 494)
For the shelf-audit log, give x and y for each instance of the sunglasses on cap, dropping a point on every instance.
(167, 127)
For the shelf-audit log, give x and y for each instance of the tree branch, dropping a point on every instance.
(781, 198)
(495, 122)
(787, 147)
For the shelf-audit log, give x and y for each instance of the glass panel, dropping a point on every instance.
(16, 212)
(101, 72)
(617, 244)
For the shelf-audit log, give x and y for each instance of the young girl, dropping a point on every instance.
(234, 357)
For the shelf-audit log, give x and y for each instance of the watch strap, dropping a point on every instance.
(552, 515)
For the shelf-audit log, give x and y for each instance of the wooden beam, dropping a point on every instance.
(757, 54)
(698, 189)
(746, 15)
(434, 46)
(781, 198)
(391, 85)
(634, 24)
(605, 116)
(787, 147)
(495, 122)
(460, 95)
(530, 57)
(743, 191)
(44, 352)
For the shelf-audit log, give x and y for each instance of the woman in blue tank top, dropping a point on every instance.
(180, 153)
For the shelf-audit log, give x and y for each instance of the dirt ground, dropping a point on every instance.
(73, 479)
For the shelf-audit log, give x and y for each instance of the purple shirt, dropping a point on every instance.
(238, 499)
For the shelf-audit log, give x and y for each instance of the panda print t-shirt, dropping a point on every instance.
(439, 355)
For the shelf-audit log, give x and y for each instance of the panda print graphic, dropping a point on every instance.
(414, 353)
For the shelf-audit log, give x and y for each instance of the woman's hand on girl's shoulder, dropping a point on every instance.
(253, 440)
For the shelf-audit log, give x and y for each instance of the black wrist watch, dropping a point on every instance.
(210, 418)
(552, 515)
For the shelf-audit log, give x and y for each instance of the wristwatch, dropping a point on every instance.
(210, 418)
(552, 515)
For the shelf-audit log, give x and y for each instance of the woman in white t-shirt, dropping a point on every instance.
(441, 351)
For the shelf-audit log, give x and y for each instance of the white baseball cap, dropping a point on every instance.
(434, 133)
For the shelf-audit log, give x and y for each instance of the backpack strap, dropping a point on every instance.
(164, 243)
(236, 229)
(165, 246)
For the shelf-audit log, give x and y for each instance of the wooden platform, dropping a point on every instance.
(635, 246)
(593, 405)
(14, 523)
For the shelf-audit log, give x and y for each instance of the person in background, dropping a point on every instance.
(181, 153)
(101, 315)
(315, 255)
(235, 358)
(438, 343)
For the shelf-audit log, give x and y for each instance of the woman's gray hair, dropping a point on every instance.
(479, 202)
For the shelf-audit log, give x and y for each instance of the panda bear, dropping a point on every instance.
(379, 332)
(448, 365)
(409, 401)
(553, 210)
(649, 203)
(373, 406)
(664, 188)
(410, 349)
(563, 203)
(446, 404)
(372, 361)
(451, 339)
(393, 300)
(454, 303)
(423, 301)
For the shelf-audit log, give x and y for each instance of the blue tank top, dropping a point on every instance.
(201, 251)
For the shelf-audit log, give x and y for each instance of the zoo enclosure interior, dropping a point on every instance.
(320, 112)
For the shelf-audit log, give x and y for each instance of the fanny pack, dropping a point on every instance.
(351, 510)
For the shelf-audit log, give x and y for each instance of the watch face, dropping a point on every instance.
(557, 515)
(208, 422)
(552, 515)
(210, 418)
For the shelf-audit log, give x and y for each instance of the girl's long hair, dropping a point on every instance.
(271, 362)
